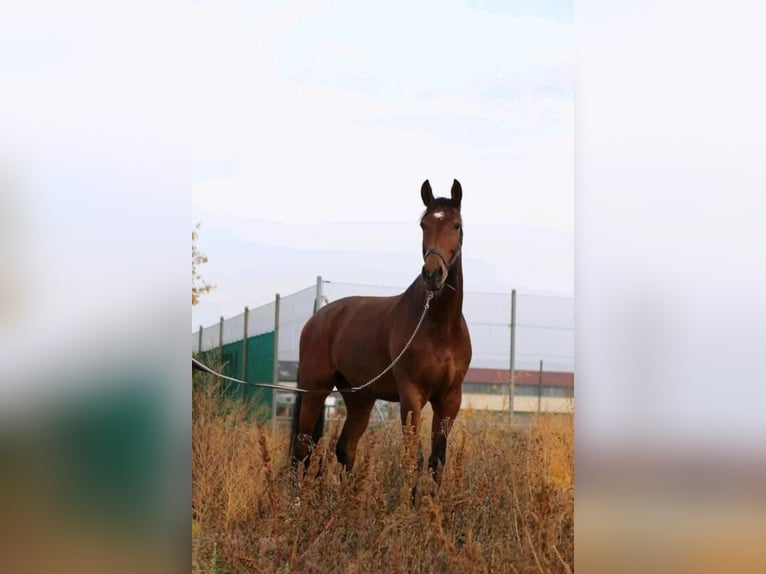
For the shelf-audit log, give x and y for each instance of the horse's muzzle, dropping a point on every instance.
(434, 278)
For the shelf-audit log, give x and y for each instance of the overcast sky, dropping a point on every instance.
(315, 123)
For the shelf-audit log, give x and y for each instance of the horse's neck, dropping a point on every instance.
(447, 307)
(455, 299)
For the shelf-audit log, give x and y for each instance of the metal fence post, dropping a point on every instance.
(244, 353)
(317, 305)
(199, 342)
(539, 387)
(220, 340)
(275, 364)
(318, 298)
(512, 384)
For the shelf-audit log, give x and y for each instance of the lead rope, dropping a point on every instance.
(352, 389)
(407, 346)
(210, 371)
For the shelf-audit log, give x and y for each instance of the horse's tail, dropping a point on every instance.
(295, 425)
(316, 433)
(319, 426)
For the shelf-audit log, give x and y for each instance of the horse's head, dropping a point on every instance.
(442, 234)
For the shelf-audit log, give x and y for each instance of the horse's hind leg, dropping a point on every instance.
(358, 410)
(310, 425)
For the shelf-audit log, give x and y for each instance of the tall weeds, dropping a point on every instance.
(505, 503)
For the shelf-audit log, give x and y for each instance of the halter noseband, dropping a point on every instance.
(443, 257)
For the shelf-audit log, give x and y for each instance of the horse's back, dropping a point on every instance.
(340, 326)
(342, 314)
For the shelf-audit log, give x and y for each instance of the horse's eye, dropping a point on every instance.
(456, 226)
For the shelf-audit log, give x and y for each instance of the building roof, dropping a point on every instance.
(503, 376)
(288, 372)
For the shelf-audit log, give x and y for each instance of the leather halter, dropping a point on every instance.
(443, 257)
(440, 253)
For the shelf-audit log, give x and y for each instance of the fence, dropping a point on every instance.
(513, 335)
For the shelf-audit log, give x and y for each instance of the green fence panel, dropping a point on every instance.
(232, 357)
(260, 365)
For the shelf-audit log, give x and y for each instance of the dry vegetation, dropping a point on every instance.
(505, 505)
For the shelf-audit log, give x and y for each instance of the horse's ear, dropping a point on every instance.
(457, 193)
(426, 193)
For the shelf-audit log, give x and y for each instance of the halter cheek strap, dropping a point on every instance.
(443, 257)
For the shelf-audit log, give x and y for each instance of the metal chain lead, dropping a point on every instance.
(399, 356)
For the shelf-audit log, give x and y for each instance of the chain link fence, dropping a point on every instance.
(523, 347)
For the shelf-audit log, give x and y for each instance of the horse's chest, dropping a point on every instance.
(444, 370)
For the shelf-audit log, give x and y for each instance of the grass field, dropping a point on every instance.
(506, 502)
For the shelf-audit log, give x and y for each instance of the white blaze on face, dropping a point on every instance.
(438, 214)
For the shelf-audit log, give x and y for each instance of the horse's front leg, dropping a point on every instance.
(445, 411)
(411, 406)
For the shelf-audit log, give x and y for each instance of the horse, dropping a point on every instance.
(346, 343)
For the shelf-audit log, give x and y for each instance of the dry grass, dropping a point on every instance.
(506, 502)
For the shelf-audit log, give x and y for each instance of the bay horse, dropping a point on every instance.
(346, 343)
